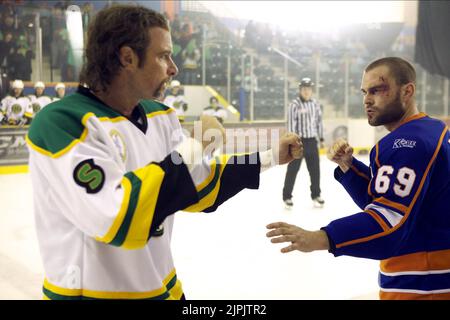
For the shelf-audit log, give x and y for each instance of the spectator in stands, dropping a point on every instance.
(185, 34)
(191, 58)
(215, 109)
(8, 25)
(249, 83)
(7, 47)
(20, 61)
(7, 9)
(175, 25)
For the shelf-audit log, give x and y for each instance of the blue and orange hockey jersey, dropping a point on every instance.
(405, 223)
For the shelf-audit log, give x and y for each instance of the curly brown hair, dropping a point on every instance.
(114, 27)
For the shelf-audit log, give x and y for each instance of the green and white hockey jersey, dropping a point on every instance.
(105, 190)
(14, 109)
(37, 103)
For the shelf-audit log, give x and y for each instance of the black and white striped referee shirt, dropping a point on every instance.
(305, 118)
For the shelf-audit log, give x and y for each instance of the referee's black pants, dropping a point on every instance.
(311, 155)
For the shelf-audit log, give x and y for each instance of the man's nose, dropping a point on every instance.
(173, 69)
(367, 99)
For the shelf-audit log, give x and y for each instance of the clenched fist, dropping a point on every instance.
(289, 148)
(210, 133)
(341, 153)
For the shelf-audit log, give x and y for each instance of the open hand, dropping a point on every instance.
(300, 239)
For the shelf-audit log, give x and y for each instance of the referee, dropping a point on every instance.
(305, 119)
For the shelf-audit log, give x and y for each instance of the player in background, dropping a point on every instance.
(403, 193)
(38, 100)
(175, 99)
(60, 91)
(215, 109)
(14, 105)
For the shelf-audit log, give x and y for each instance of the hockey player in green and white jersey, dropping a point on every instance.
(14, 106)
(110, 166)
(38, 100)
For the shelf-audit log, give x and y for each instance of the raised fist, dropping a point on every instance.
(341, 153)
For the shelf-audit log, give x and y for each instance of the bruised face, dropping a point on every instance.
(382, 101)
(152, 78)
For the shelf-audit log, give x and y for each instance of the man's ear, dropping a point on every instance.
(409, 90)
(127, 57)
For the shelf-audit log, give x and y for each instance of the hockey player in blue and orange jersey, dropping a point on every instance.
(404, 193)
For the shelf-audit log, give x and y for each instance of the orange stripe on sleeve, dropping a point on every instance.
(376, 156)
(369, 191)
(378, 219)
(393, 204)
(359, 173)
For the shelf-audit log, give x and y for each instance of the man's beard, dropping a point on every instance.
(159, 92)
(392, 112)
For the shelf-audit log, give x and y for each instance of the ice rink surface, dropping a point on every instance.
(220, 255)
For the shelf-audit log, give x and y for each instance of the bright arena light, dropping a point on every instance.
(319, 16)
(74, 26)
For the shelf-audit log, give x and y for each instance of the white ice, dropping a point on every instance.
(219, 255)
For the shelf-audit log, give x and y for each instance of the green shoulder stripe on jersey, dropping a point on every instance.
(61, 124)
(130, 229)
(58, 126)
(151, 106)
(206, 190)
(133, 200)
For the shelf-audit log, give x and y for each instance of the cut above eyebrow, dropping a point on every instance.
(384, 86)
